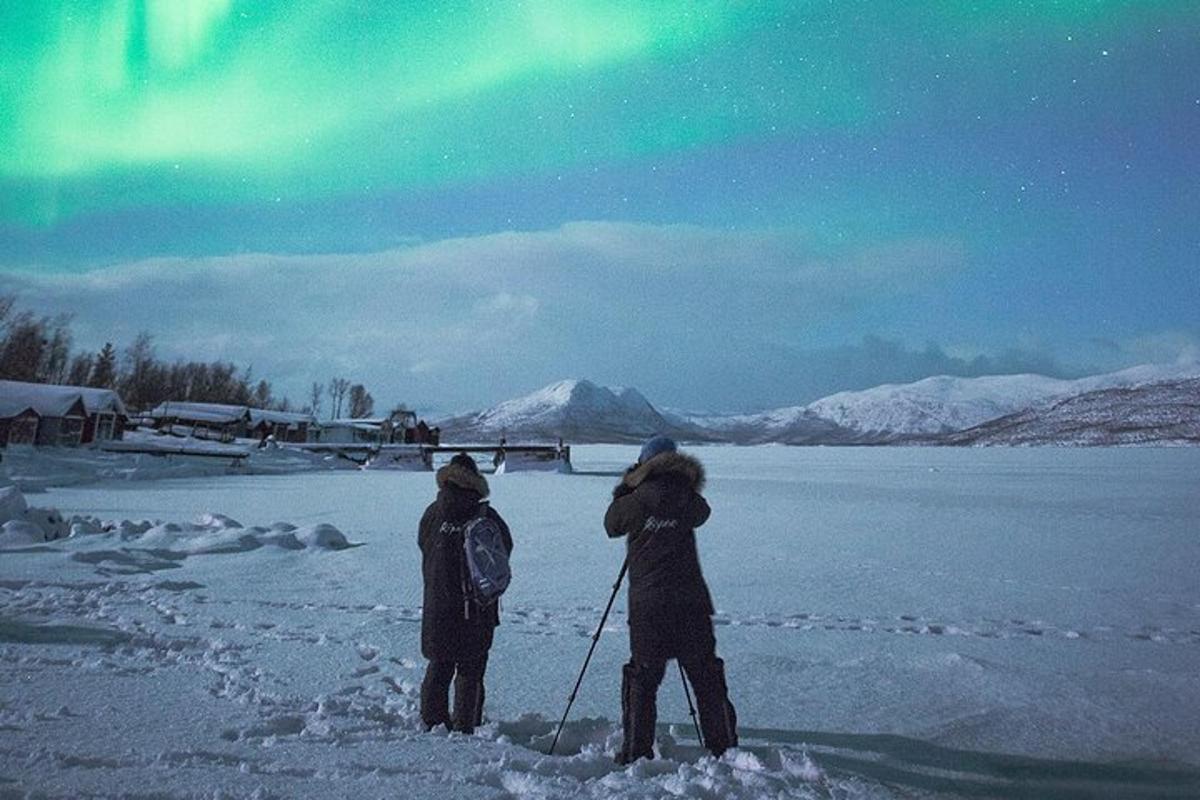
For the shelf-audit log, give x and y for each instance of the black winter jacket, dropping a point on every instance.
(658, 506)
(450, 629)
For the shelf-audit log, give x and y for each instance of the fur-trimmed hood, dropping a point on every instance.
(668, 464)
(454, 475)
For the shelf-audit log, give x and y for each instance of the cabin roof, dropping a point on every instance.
(222, 412)
(361, 424)
(201, 412)
(50, 400)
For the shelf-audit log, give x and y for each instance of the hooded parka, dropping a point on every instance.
(452, 627)
(658, 506)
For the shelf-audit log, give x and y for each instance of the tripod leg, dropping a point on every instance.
(691, 707)
(592, 649)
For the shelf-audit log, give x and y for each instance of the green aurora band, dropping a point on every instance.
(154, 102)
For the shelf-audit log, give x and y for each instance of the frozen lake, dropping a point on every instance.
(1038, 603)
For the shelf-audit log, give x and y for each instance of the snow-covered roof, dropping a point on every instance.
(222, 412)
(101, 401)
(201, 412)
(48, 400)
(362, 424)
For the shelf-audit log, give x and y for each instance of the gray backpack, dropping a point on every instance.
(487, 572)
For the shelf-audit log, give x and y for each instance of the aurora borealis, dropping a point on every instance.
(771, 200)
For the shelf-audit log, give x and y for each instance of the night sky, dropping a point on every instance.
(730, 206)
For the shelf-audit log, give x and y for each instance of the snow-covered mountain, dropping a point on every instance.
(943, 404)
(577, 410)
(925, 411)
(1161, 413)
(791, 425)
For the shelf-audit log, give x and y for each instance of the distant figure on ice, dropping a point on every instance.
(657, 506)
(456, 632)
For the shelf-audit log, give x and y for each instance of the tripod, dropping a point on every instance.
(595, 639)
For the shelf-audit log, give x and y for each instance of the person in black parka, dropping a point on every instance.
(456, 633)
(657, 506)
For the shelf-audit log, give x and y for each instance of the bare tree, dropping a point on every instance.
(23, 350)
(58, 351)
(38, 349)
(337, 392)
(314, 398)
(361, 402)
(137, 373)
(104, 371)
(80, 369)
(262, 394)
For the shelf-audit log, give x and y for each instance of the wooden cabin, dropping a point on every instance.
(107, 416)
(352, 431)
(18, 427)
(42, 414)
(285, 426)
(201, 420)
(227, 422)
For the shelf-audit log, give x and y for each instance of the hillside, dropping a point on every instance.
(576, 410)
(1165, 413)
(929, 411)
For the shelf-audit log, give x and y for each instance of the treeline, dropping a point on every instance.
(38, 349)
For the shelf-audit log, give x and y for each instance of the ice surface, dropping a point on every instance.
(895, 622)
(146, 456)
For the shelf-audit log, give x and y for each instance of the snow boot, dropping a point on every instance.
(468, 695)
(639, 712)
(435, 694)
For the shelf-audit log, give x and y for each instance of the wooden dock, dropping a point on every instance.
(412, 457)
(503, 458)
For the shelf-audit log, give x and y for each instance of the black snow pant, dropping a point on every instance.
(694, 646)
(467, 676)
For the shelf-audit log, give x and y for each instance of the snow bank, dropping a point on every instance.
(217, 534)
(22, 525)
(208, 534)
(12, 503)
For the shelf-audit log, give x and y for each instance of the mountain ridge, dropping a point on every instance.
(925, 411)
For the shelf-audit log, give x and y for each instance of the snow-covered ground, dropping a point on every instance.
(895, 623)
(143, 455)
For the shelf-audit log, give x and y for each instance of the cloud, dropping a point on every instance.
(505, 304)
(896, 266)
(466, 321)
(1162, 347)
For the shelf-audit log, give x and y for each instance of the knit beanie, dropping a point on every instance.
(655, 445)
(466, 462)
